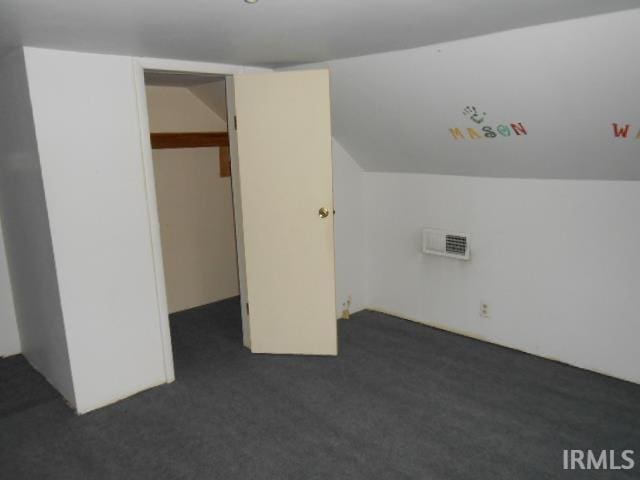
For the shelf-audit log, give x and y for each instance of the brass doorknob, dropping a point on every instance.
(323, 212)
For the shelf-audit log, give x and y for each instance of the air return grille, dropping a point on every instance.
(445, 244)
(456, 244)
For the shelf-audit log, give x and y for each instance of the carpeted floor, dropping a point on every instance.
(402, 401)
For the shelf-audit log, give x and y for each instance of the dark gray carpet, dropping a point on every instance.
(401, 401)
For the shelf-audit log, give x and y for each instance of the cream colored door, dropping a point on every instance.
(281, 149)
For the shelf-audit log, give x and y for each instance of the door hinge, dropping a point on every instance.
(235, 122)
(247, 308)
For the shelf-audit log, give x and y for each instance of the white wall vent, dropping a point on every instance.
(445, 244)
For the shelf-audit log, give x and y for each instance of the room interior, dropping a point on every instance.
(482, 232)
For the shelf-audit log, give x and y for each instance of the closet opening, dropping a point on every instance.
(192, 175)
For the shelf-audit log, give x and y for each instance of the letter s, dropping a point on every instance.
(626, 456)
(489, 133)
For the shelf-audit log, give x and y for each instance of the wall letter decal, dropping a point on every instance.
(489, 133)
(473, 113)
(473, 134)
(504, 130)
(457, 134)
(620, 132)
(482, 130)
(518, 128)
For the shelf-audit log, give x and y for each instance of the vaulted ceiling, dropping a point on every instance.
(538, 102)
(270, 32)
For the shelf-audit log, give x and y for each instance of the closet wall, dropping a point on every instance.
(194, 202)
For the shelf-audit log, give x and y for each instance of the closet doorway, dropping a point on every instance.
(192, 171)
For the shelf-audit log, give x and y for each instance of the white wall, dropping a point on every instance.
(194, 204)
(556, 260)
(88, 135)
(348, 193)
(9, 337)
(27, 235)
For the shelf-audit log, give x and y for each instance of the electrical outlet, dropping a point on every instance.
(484, 310)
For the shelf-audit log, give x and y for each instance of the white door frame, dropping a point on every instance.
(139, 65)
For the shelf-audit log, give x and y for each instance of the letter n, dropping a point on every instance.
(620, 132)
(519, 128)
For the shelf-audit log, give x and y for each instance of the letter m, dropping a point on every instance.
(456, 133)
(619, 131)
(596, 463)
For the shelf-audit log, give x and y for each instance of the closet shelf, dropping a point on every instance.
(197, 140)
(189, 140)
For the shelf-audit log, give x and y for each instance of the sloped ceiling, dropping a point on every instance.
(566, 83)
(213, 95)
(270, 32)
(209, 89)
(177, 109)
